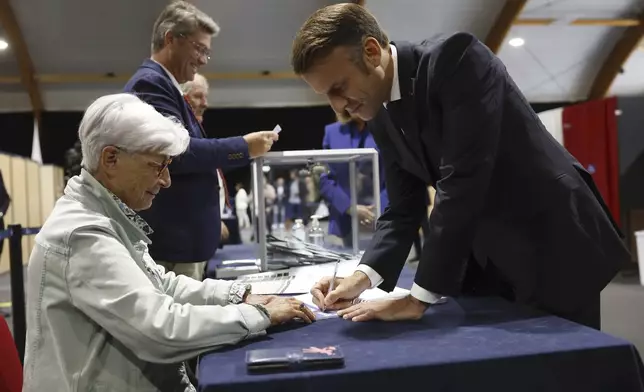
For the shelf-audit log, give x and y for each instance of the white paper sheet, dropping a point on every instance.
(367, 295)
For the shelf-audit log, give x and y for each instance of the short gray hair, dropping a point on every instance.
(123, 120)
(198, 80)
(178, 18)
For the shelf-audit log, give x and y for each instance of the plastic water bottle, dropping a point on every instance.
(298, 230)
(316, 234)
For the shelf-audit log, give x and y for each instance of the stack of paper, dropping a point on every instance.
(295, 280)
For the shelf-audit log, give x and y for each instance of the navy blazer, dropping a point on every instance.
(186, 217)
(506, 191)
(334, 186)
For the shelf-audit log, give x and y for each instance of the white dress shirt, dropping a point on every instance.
(222, 194)
(417, 292)
(170, 75)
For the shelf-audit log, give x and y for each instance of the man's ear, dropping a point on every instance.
(372, 52)
(109, 157)
(168, 38)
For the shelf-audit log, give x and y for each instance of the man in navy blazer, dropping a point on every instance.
(334, 185)
(186, 217)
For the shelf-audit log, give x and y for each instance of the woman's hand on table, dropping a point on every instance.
(285, 309)
(256, 299)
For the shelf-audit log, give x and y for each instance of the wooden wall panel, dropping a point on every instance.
(51, 188)
(33, 189)
(5, 168)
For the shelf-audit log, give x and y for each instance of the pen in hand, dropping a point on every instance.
(332, 283)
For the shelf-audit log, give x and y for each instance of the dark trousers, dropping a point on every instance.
(487, 281)
(418, 243)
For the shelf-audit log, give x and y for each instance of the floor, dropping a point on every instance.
(622, 306)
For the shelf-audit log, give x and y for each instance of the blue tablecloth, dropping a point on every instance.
(229, 252)
(465, 345)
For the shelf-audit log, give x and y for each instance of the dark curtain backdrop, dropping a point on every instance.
(302, 129)
(16, 133)
(58, 133)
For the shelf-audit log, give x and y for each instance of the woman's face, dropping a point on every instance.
(136, 178)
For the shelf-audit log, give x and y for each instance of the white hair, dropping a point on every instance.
(123, 120)
(179, 18)
(199, 80)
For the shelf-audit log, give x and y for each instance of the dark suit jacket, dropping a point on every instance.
(334, 186)
(507, 191)
(5, 200)
(185, 217)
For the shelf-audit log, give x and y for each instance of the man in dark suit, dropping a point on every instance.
(185, 217)
(515, 214)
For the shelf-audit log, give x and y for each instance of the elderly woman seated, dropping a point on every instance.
(102, 316)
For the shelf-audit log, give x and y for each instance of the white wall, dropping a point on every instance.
(554, 124)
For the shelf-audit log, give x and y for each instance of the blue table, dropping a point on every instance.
(229, 252)
(465, 345)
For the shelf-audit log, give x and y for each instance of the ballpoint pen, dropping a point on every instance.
(332, 283)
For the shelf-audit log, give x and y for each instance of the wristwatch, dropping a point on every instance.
(238, 292)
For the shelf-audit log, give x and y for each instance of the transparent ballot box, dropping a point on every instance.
(312, 163)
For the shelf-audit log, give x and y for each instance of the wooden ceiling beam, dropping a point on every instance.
(614, 62)
(18, 45)
(508, 15)
(624, 22)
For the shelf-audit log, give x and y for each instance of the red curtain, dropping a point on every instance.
(590, 135)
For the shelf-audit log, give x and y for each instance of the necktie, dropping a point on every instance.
(219, 171)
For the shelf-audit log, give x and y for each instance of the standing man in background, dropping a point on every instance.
(515, 214)
(196, 94)
(186, 217)
(280, 203)
(241, 206)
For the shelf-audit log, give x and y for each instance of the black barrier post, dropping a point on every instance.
(17, 290)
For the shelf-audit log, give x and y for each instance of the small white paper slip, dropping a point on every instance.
(277, 129)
